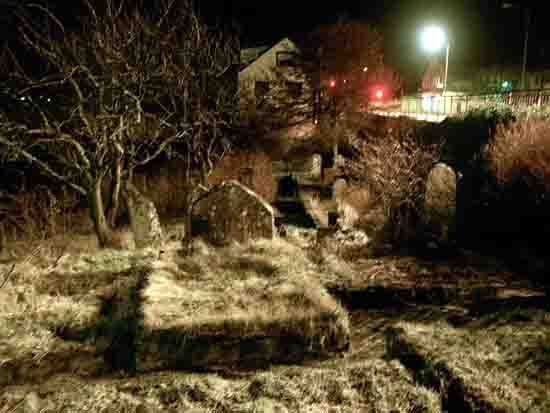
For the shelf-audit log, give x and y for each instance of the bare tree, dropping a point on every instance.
(124, 89)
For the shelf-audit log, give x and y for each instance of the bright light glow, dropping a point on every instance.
(379, 94)
(365, 69)
(332, 83)
(505, 84)
(433, 38)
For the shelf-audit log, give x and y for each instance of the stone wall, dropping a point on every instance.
(251, 168)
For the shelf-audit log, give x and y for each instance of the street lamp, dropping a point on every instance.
(512, 5)
(433, 39)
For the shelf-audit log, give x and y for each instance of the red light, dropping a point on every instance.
(332, 83)
(379, 94)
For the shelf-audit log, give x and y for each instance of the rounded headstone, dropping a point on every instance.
(440, 199)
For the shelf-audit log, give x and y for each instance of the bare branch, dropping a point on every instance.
(45, 167)
(62, 138)
(81, 109)
(160, 149)
(49, 14)
(92, 10)
(7, 276)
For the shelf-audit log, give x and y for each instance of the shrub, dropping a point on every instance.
(465, 138)
(520, 154)
(394, 168)
(503, 197)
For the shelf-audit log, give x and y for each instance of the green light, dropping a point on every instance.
(506, 84)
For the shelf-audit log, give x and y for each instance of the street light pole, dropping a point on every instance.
(525, 44)
(446, 66)
(434, 39)
(512, 4)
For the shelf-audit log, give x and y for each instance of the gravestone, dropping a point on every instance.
(316, 166)
(233, 212)
(144, 219)
(440, 201)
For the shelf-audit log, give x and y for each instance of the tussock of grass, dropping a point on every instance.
(504, 365)
(265, 295)
(373, 386)
(264, 283)
(29, 348)
(254, 302)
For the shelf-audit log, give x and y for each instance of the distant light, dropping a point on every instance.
(365, 69)
(379, 94)
(505, 84)
(22, 98)
(345, 80)
(433, 38)
(332, 83)
(49, 100)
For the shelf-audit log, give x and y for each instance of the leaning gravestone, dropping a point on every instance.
(233, 212)
(440, 201)
(316, 166)
(144, 218)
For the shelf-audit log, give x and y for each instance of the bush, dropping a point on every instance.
(465, 138)
(520, 154)
(394, 167)
(503, 197)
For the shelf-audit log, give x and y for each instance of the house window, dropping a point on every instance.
(261, 89)
(295, 89)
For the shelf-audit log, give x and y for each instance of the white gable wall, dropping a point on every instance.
(265, 69)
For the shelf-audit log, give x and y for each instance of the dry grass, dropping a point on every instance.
(239, 291)
(503, 358)
(521, 152)
(242, 292)
(371, 386)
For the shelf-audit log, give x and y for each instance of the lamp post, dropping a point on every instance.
(512, 4)
(433, 38)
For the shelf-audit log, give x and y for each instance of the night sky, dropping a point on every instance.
(481, 32)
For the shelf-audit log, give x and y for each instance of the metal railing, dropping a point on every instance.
(437, 107)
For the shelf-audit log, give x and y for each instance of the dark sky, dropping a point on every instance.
(480, 31)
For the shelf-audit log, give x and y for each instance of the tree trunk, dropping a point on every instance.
(115, 197)
(97, 213)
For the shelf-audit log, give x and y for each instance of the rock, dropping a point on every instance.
(351, 238)
(144, 219)
(233, 212)
(440, 202)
